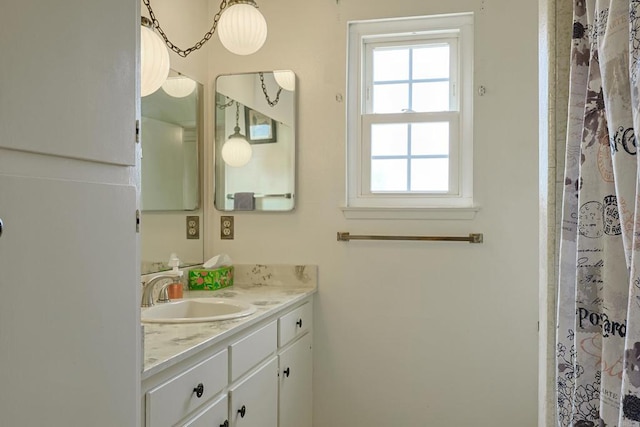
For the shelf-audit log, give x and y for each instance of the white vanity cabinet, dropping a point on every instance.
(175, 399)
(294, 391)
(214, 415)
(254, 401)
(295, 364)
(259, 377)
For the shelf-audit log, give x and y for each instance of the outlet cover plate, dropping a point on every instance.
(226, 227)
(193, 227)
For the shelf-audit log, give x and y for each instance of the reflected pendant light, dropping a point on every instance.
(179, 87)
(242, 28)
(285, 79)
(154, 60)
(236, 151)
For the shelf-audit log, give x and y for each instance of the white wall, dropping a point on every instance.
(408, 334)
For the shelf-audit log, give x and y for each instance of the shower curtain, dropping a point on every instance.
(598, 325)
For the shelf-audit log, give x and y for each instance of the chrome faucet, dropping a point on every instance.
(147, 288)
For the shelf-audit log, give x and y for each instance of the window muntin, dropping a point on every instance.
(408, 77)
(413, 157)
(409, 112)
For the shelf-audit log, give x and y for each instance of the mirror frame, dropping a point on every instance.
(220, 168)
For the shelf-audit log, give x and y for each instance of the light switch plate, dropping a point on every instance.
(226, 227)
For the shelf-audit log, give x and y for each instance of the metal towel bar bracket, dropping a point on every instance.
(344, 236)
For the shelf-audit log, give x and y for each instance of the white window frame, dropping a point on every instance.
(454, 29)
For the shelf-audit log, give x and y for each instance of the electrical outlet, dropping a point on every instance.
(226, 227)
(193, 227)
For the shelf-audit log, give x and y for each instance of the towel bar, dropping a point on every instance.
(260, 196)
(344, 236)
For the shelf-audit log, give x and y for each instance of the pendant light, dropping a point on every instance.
(242, 28)
(236, 152)
(179, 86)
(286, 79)
(154, 59)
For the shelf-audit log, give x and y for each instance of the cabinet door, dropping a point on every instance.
(254, 401)
(214, 415)
(295, 384)
(68, 83)
(69, 305)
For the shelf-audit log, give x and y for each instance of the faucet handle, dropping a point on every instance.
(163, 295)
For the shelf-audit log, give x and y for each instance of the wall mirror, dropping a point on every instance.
(255, 140)
(171, 137)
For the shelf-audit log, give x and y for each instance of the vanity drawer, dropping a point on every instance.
(252, 349)
(175, 399)
(213, 415)
(294, 324)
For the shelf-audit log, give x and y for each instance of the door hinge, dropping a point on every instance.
(137, 131)
(137, 220)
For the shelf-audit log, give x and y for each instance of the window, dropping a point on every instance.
(409, 112)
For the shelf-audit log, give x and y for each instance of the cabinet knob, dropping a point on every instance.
(299, 323)
(242, 411)
(1, 225)
(225, 424)
(199, 390)
(286, 372)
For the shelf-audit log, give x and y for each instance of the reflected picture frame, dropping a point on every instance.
(260, 129)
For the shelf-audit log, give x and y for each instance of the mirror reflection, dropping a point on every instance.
(170, 141)
(255, 141)
(171, 138)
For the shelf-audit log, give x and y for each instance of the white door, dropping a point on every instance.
(68, 316)
(67, 80)
(69, 265)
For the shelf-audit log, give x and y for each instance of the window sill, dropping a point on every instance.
(448, 213)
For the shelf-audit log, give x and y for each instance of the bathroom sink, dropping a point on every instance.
(196, 310)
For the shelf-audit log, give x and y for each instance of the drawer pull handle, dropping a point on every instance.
(199, 390)
(242, 411)
(299, 323)
(286, 372)
(225, 424)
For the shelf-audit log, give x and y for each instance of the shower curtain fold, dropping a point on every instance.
(598, 348)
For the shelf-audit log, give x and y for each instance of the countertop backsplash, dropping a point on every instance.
(260, 274)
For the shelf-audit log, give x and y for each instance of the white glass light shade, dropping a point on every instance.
(179, 87)
(286, 79)
(236, 151)
(242, 29)
(154, 61)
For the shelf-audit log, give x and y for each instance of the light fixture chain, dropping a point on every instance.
(184, 52)
(223, 106)
(266, 95)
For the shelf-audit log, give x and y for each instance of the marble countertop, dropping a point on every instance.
(269, 288)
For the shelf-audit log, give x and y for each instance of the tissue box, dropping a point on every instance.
(210, 280)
